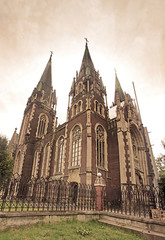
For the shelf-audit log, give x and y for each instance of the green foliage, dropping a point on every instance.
(83, 231)
(70, 230)
(6, 161)
(160, 163)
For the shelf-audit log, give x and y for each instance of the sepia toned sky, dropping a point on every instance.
(126, 35)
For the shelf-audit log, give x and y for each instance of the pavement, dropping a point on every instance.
(147, 234)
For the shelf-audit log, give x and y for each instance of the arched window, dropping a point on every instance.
(41, 126)
(79, 107)
(75, 109)
(96, 106)
(100, 146)
(135, 150)
(138, 156)
(76, 146)
(35, 164)
(45, 162)
(60, 154)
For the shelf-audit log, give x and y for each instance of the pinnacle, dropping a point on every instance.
(118, 90)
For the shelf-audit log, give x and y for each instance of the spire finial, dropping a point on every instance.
(86, 40)
(51, 53)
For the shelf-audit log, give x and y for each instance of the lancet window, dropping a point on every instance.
(135, 151)
(76, 146)
(45, 163)
(60, 154)
(79, 107)
(41, 126)
(100, 146)
(75, 109)
(96, 106)
(35, 164)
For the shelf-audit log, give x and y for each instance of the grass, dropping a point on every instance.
(70, 230)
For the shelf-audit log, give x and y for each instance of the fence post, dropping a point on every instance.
(99, 185)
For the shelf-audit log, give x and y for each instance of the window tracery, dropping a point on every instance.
(100, 146)
(76, 146)
(98, 107)
(77, 108)
(41, 126)
(45, 163)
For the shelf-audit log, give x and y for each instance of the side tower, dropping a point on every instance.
(37, 127)
(133, 156)
(86, 150)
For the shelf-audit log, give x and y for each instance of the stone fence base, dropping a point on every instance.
(147, 228)
(16, 219)
(142, 225)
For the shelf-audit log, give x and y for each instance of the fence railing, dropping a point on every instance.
(134, 200)
(58, 195)
(47, 195)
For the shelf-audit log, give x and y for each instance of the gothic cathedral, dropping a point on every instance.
(94, 139)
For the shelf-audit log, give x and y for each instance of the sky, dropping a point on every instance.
(125, 35)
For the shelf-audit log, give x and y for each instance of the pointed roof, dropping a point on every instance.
(87, 63)
(73, 85)
(13, 142)
(45, 82)
(118, 91)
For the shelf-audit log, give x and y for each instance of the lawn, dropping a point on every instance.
(73, 230)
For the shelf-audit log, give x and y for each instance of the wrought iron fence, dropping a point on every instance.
(52, 195)
(47, 195)
(134, 200)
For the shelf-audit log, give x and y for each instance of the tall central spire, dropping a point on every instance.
(87, 64)
(46, 78)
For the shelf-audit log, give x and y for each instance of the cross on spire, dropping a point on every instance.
(86, 40)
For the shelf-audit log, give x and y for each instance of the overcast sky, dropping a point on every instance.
(128, 35)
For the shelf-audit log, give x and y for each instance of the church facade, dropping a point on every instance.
(94, 139)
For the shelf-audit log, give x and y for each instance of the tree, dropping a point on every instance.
(6, 161)
(160, 163)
